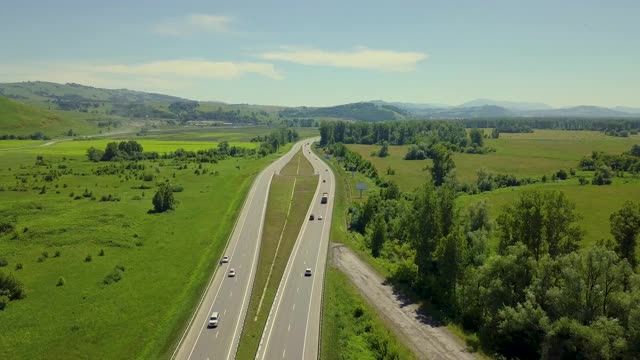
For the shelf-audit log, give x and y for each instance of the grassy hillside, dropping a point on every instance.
(357, 111)
(17, 118)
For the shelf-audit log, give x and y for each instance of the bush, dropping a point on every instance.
(60, 282)
(6, 227)
(19, 266)
(177, 188)
(45, 254)
(114, 276)
(11, 287)
(88, 258)
(582, 180)
(3, 262)
(163, 200)
(4, 301)
(136, 197)
(101, 253)
(57, 253)
(40, 259)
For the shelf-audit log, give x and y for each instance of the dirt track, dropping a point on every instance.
(426, 340)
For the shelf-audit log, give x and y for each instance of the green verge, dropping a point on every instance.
(351, 328)
(346, 332)
(281, 206)
(167, 257)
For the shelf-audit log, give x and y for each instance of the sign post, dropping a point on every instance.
(361, 187)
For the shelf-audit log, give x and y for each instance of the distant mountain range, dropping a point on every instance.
(141, 105)
(485, 108)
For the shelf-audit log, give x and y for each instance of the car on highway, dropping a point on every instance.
(324, 180)
(232, 273)
(214, 319)
(319, 217)
(307, 272)
(225, 259)
(311, 217)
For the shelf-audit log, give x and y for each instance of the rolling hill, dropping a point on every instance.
(365, 111)
(17, 118)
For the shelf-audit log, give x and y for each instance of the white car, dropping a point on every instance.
(232, 273)
(307, 272)
(225, 259)
(319, 217)
(214, 319)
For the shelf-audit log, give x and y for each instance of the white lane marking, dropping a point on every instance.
(288, 270)
(294, 307)
(298, 291)
(225, 312)
(230, 293)
(284, 352)
(289, 327)
(235, 246)
(253, 263)
(217, 333)
(306, 326)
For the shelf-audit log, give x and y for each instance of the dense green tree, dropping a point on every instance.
(625, 227)
(443, 164)
(521, 330)
(377, 233)
(384, 150)
(477, 137)
(602, 176)
(94, 154)
(568, 339)
(495, 133)
(163, 200)
(546, 222)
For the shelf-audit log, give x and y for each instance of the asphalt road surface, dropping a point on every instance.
(229, 296)
(293, 327)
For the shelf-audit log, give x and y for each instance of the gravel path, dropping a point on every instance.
(427, 341)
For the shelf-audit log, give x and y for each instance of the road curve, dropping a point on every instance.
(293, 327)
(230, 295)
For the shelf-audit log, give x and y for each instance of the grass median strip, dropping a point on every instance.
(289, 198)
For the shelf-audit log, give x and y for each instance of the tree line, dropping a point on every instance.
(132, 150)
(611, 126)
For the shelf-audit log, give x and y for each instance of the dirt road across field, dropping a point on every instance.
(427, 341)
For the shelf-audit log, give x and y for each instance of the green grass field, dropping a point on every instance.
(529, 154)
(289, 198)
(594, 203)
(167, 257)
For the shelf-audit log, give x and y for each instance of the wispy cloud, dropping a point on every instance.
(194, 23)
(193, 68)
(359, 58)
(168, 75)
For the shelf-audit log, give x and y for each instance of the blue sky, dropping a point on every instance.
(562, 53)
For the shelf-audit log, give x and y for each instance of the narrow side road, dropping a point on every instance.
(426, 341)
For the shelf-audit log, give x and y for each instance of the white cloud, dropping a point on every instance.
(168, 75)
(194, 23)
(193, 68)
(359, 58)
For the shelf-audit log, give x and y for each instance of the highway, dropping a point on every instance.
(293, 327)
(230, 295)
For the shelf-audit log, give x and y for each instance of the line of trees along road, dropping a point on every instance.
(538, 295)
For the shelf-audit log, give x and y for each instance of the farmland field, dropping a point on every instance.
(530, 154)
(542, 152)
(102, 274)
